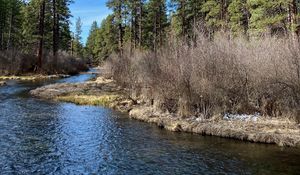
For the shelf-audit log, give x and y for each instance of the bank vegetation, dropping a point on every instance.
(222, 75)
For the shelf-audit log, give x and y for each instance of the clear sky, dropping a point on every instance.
(88, 11)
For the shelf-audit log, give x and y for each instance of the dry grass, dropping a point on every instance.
(216, 77)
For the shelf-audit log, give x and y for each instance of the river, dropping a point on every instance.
(43, 137)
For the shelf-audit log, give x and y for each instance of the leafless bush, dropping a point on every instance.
(219, 76)
(15, 63)
(63, 63)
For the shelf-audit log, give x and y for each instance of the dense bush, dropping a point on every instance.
(219, 76)
(15, 63)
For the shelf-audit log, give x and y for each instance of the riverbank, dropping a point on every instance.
(101, 91)
(32, 77)
(105, 92)
(2, 83)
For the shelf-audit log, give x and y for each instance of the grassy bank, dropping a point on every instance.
(105, 92)
(265, 130)
(100, 92)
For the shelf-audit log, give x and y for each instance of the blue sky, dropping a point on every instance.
(88, 11)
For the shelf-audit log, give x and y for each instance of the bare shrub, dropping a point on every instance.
(219, 76)
(63, 63)
(13, 62)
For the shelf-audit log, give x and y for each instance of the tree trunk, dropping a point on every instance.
(72, 46)
(223, 15)
(136, 18)
(1, 39)
(293, 19)
(120, 27)
(8, 45)
(2, 23)
(131, 35)
(55, 28)
(41, 35)
(140, 23)
(160, 26)
(184, 108)
(183, 25)
(194, 34)
(55, 33)
(155, 34)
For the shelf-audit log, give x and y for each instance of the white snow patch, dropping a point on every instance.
(242, 117)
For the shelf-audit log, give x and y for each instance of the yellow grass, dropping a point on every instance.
(18, 77)
(31, 77)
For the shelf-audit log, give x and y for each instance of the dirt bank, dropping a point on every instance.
(106, 92)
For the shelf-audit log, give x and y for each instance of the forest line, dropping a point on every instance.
(148, 24)
(35, 36)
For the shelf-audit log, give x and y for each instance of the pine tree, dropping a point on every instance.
(156, 23)
(106, 38)
(135, 8)
(140, 14)
(55, 25)
(77, 45)
(187, 17)
(238, 17)
(91, 41)
(102, 41)
(118, 9)
(293, 18)
(216, 14)
(42, 7)
(10, 23)
(63, 20)
(268, 17)
(180, 17)
(3, 22)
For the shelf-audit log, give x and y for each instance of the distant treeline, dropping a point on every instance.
(147, 24)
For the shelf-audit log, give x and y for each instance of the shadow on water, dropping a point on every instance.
(42, 137)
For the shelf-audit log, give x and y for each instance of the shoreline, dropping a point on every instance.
(105, 92)
(32, 77)
(2, 83)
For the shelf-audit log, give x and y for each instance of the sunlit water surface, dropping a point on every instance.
(42, 137)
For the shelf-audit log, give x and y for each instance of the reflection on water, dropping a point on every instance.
(41, 137)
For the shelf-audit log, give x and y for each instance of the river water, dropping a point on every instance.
(42, 137)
